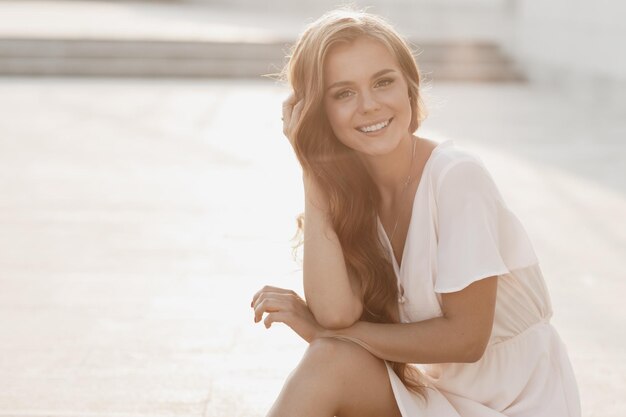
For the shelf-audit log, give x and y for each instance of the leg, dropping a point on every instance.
(333, 378)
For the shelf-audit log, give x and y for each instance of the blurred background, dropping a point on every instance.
(147, 191)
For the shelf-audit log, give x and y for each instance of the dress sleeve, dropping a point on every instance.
(477, 235)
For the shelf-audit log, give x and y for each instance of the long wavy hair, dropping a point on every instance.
(352, 195)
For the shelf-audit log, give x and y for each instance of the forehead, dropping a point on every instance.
(358, 59)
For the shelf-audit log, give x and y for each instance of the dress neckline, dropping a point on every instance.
(398, 268)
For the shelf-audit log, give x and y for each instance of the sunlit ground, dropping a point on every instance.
(139, 217)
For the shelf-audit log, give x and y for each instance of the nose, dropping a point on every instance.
(368, 102)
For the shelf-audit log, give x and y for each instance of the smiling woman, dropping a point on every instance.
(447, 315)
(353, 107)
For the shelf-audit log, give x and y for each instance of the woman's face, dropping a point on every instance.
(364, 88)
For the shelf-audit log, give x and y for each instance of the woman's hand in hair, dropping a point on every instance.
(292, 108)
(287, 307)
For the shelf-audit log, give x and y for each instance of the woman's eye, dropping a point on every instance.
(386, 81)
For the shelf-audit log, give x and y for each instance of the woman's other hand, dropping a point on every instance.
(292, 107)
(285, 306)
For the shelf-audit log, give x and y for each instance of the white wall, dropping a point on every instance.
(473, 20)
(577, 46)
(449, 20)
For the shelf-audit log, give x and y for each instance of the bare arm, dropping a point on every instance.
(332, 296)
(460, 335)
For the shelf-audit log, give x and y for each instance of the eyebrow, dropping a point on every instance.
(378, 74)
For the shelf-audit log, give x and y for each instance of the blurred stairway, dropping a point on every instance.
(193, 39)
(207, 58)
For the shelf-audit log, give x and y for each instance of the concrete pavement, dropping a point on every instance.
(139, 217)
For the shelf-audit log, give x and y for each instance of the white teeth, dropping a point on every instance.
(374, 128)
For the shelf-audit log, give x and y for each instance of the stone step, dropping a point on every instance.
(165, 58)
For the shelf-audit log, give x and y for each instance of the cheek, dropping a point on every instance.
(403, 104)
(401, 97)
(339, 116)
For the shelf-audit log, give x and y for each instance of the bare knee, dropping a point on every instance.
(317, 381)
(335, 352)
(359, 378)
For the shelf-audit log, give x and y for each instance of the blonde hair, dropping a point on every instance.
(353, 197)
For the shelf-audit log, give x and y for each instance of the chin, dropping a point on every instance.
(378, 148)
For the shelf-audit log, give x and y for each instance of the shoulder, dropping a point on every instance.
(457, 165)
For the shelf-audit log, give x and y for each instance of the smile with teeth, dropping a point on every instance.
(374, 128)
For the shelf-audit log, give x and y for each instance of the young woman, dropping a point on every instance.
(424, 296)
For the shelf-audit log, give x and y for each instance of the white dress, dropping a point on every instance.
(461, 231)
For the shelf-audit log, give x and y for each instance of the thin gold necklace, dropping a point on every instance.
(403, 196)
(401, 298)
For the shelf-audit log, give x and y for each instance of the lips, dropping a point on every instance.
(373, 123)
(389, 120)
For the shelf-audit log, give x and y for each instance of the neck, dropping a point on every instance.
(389, 172)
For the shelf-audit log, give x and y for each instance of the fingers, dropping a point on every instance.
(297, 110)
(288, 105)
(274, 317)
(292, 108)
(280, 303)
(291, 99)
(269, 289)
(271, 304)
